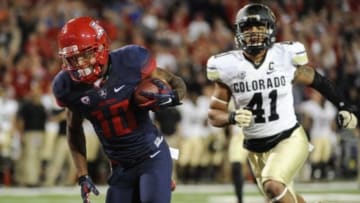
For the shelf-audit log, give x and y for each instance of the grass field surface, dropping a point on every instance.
(330, 192)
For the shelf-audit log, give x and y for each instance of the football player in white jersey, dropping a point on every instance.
(259, 77)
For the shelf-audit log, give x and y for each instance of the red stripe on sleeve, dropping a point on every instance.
(148, 68)
(59, 103)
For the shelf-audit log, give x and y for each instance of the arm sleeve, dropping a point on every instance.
(148, 68)
(329, 91)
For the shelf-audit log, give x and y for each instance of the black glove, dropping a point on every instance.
(165, 98)
(87, 186)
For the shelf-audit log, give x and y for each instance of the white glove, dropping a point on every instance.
(241, 117)
(347, 119)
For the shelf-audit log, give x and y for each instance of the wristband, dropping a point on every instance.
(82, 179)
(231, 118)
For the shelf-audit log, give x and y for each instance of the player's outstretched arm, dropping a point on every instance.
(308, 76)
(77, 143)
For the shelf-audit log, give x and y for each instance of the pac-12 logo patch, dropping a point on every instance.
(242, 75)
(85, 100)
(103, 93)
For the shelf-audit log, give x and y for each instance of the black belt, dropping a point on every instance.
(260, 145)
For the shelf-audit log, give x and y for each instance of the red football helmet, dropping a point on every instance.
(84, 48)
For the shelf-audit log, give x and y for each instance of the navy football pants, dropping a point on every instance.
(147, 182)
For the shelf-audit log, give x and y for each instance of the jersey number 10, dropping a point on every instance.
(117, 120)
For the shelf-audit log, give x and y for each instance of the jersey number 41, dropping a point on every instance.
(256, 106)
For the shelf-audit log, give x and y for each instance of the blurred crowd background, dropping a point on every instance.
(182, 35)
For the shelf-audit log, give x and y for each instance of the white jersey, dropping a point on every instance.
(193, 117)
(322, 118)
(9, 107)
(266, 89)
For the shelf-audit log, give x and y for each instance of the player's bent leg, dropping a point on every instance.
(155, 180)
(278, 192)
(123, 185)
(155, 189)
(282, 164)
(117, 193)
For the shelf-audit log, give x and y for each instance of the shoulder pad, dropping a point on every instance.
(61, 87)
(134, 54)
(217, 63)
(212, 71)
(298, 52)
(133, 60)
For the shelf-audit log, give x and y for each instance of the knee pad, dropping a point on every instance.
(279, 197)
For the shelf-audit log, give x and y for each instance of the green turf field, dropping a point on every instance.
(177, 198)
(331, 192)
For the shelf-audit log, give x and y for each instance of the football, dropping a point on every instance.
(147, 85)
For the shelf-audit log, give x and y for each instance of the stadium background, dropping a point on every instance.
(182, 35)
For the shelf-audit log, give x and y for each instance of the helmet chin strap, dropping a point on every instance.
(254, 51)
(256, 55)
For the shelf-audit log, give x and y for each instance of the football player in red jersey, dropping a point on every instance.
(259, 77)
(98, 85)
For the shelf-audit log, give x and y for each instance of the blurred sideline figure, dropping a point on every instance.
(9, 107)
(31, 120)
(213, 156)
(61, 157)
(319, 118)
(168, 121)
(238, 160)
(260, 77)
(193, 133)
